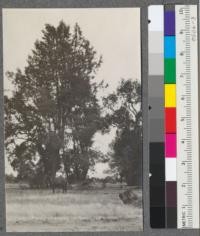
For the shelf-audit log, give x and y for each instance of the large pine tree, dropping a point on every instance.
(54, 106)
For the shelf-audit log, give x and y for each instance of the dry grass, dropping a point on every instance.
(91, 210)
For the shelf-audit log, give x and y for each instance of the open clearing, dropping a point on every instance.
(77, 210)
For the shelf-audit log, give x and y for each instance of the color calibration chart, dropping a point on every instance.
(173, 116)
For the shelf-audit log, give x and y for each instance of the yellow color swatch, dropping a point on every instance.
(170, 95)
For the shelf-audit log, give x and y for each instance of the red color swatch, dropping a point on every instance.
(170, 120)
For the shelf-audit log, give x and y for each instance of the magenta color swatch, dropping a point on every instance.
(170, 145)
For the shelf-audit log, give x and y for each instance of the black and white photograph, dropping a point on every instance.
(72, 119)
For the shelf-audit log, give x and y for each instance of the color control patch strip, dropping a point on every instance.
(156, 116)
(173, 116)
(170, 116)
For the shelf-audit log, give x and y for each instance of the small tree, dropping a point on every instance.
(125, 114)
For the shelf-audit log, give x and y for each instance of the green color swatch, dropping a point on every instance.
(170, 71)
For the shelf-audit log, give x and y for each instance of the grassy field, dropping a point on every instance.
(77, 210)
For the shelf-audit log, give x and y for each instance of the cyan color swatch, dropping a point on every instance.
(170, 47)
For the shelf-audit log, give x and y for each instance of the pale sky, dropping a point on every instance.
(114, 33)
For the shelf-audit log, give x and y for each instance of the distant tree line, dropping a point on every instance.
(54, 113)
